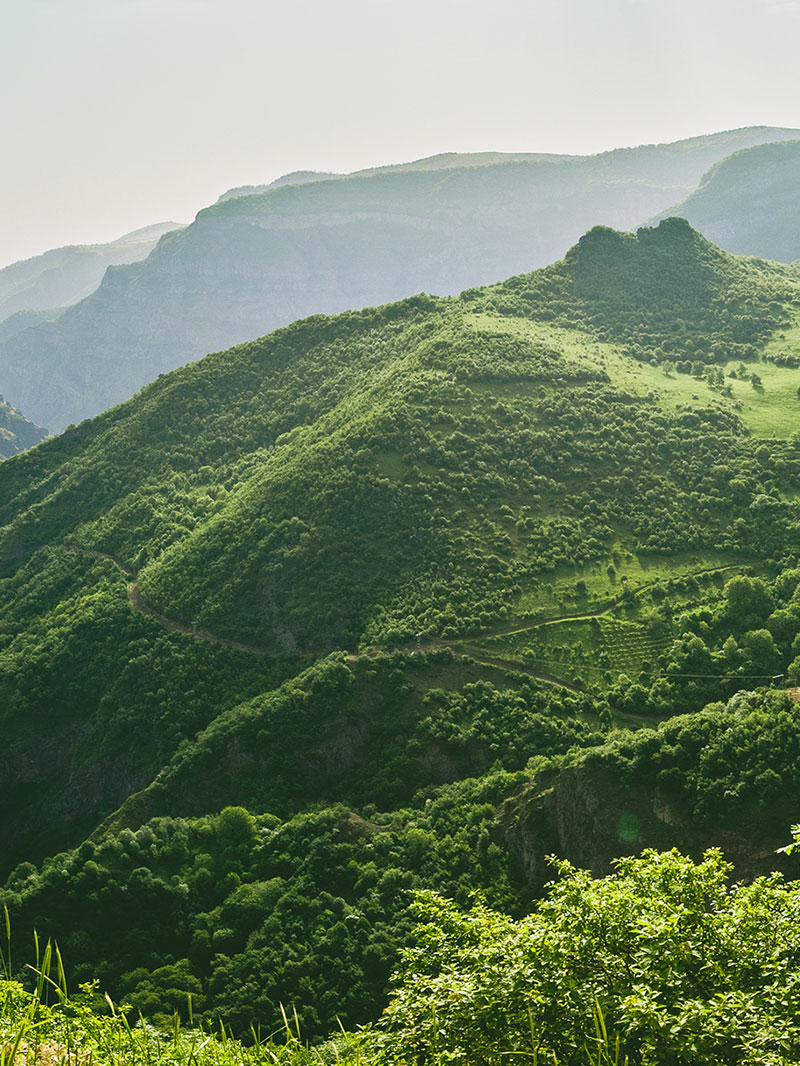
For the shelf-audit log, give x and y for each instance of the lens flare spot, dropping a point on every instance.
(629, 828)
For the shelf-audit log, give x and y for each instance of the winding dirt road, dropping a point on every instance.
(461, 647)
(171, 624)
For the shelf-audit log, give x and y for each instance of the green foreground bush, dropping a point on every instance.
(664, 962)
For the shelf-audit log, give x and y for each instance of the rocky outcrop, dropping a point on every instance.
(584, 813)
(17, 433)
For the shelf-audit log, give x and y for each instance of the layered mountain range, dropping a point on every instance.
(64, 276)
(266, 255)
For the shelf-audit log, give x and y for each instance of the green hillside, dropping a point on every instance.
(661, 962)
(374, 603)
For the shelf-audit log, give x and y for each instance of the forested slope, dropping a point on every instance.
(747, 203)
(373, 603)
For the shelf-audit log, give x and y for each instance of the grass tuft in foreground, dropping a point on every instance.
(43, 1025)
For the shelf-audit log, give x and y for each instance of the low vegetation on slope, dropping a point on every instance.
(663, 962)
(354, 609)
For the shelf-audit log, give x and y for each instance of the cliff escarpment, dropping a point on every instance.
(725, 777)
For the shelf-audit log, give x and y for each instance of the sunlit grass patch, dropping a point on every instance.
(596, 586)
(771, 410)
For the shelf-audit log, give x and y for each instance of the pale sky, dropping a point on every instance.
(119, 113)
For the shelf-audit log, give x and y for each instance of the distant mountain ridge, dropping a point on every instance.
(250, 264)
(63, 276)
(442, 161)
(17, 434)
(643, 158)
(748, 203)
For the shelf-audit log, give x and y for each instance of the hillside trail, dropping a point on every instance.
(462, 648)
(138, 604)
(170, 624)
(467, 646)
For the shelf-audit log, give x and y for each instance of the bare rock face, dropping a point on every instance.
(17, 434)
(585, 815)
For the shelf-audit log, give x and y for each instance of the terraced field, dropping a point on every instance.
(595, 587)
(610, 622)
(584, 652)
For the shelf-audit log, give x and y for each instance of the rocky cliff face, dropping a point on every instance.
(584, 814)
(65, 275)
(17, 434)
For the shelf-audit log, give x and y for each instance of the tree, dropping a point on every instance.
(747, 602)
(760, 648)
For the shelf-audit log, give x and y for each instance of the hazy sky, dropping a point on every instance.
(119, 113)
